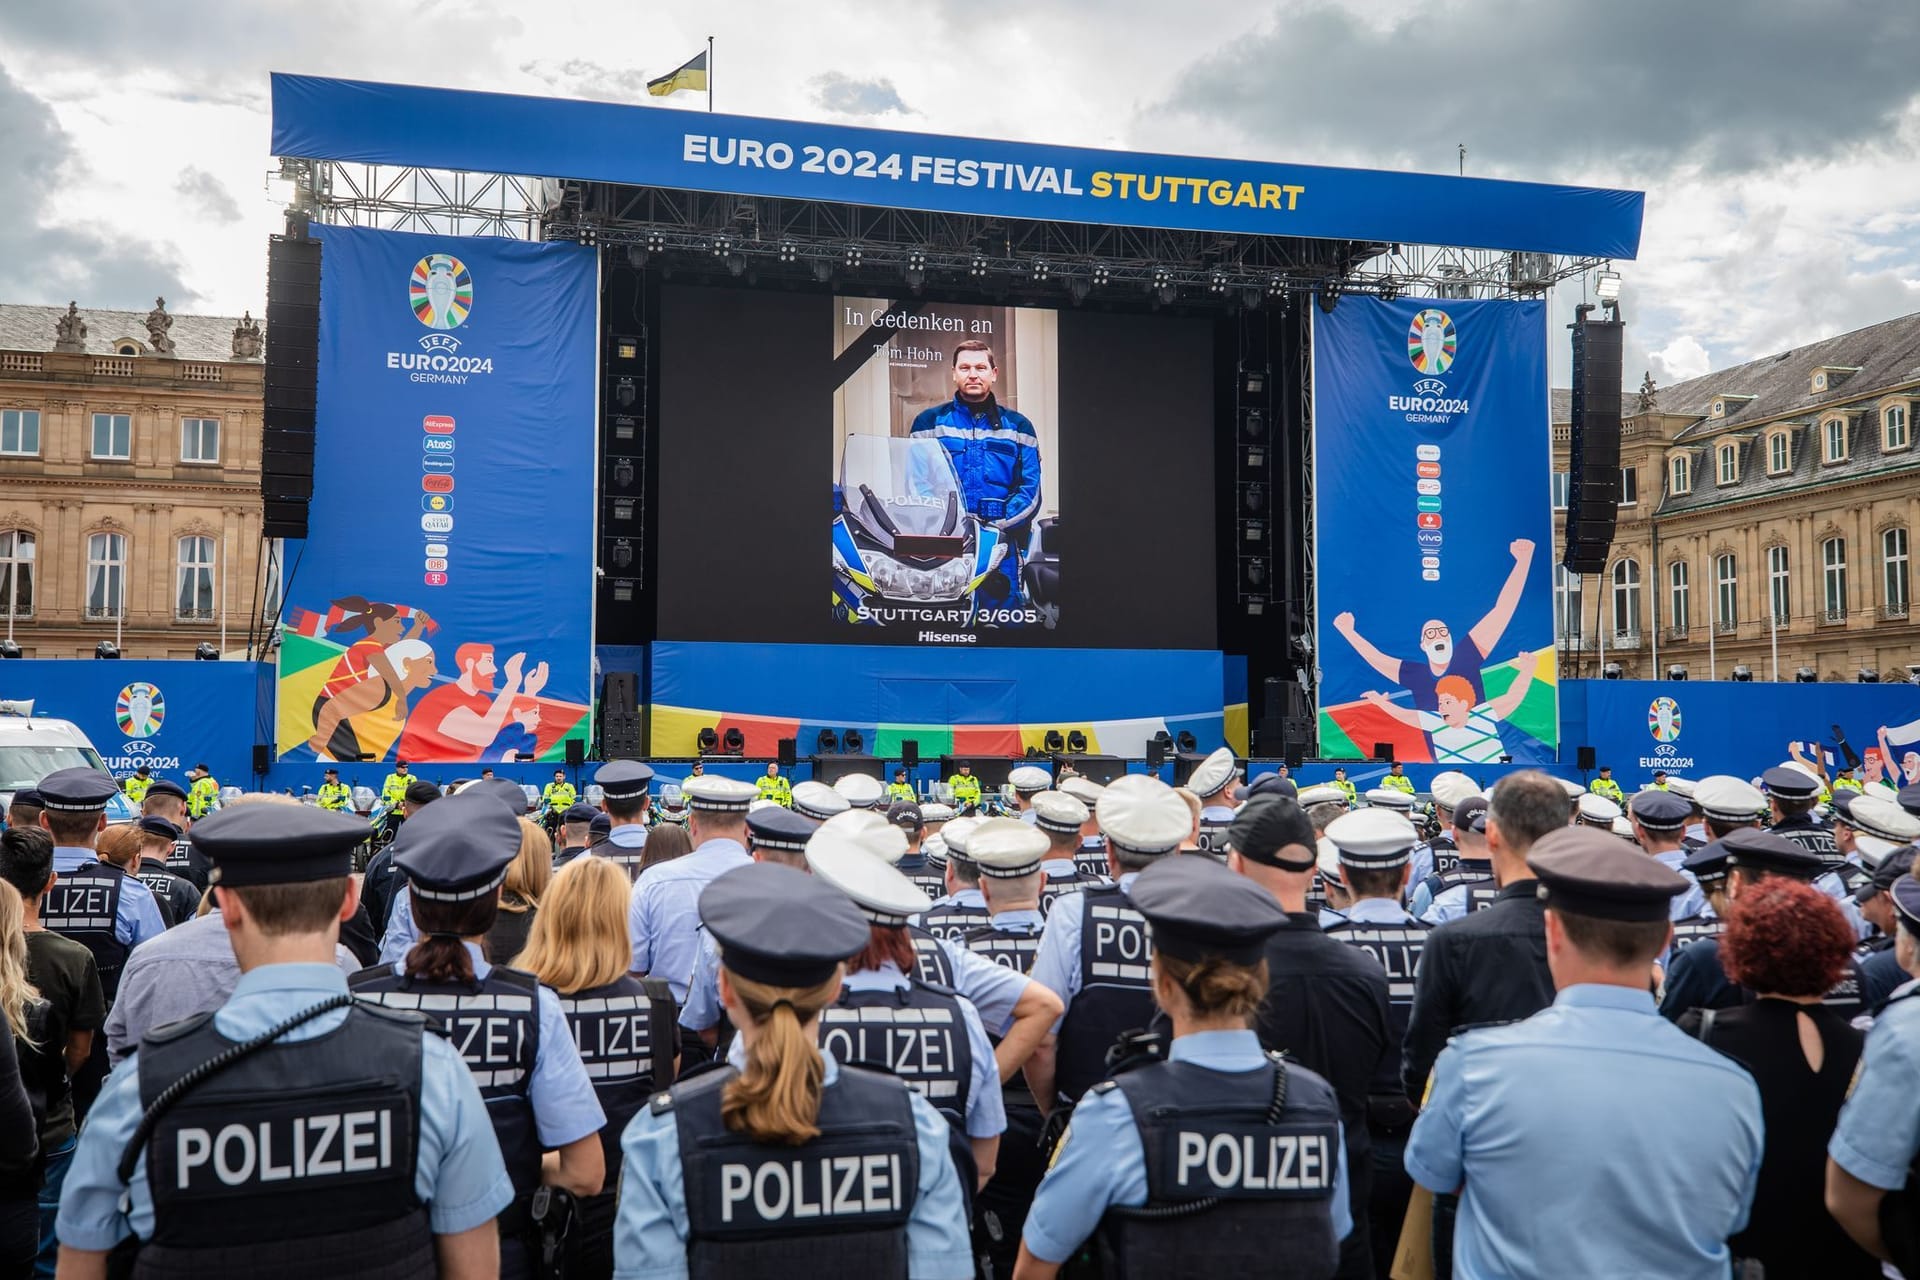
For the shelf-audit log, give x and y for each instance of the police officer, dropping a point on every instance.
(393, 787)
(818, 801)
(963, 907)
(1470, 886)
(1499, 1126)
(787, 1119)
(661, 918)
(771, 786)
(1450, 789)
(179, 900)
(1092, 857)
(334, 794)
(861, 790)
(1659, 821)
(1695, 977)
(1093, 953)
(557, 796)
(1397, 779)
(1347, 788)
(1210, 780)
(293, 1132)
(1791, 796)
(382, 882)
(1843, 780)
(900, 791)
(623, 796)
(203, 795)
(1604, 785)
(1060, 818)
(1401, 802)
(1596, 811)
(576, 833)
(1281, 1203)
(508, 1028)
(1028, 780)
(913, 864)
(135, 788)
(1880, 971)
(964, 787)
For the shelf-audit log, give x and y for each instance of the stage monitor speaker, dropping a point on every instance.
(1586, 758)
(788, 750)
(910, 754)
(576, 752)
(1156, 754)
(1593, 453)
(292, 360)
(262, 757)
(620, 716)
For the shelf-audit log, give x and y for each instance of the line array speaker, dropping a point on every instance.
(292, 373)
(1593, 456)
(620, 717)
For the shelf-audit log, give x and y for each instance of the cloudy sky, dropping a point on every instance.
(1776, 139)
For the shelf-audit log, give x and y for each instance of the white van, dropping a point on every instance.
(31, 747)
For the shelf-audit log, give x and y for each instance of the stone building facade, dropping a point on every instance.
(1766, 524)
(130, 503)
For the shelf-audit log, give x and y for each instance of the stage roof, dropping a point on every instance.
(318, 118)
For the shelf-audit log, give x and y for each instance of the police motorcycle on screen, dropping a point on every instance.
(905, 548)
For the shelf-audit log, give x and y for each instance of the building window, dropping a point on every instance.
(1779, 584)
(1726, 577)
(106, 575)
(1778, 456)
(1894, 433)
(193, 602)
(1719, 408)
(1834, 432)
(1629, 486)
(1819, 382)
(20, 431)
(1677, 583)
(1566, 602)
(127, 349)
(16, 572)
(1626, 598)
(1833, 575)
(199, 439)
(1729, 457)
(113, 436)
(1560, 479)
(1893, 557)
(1682, 468)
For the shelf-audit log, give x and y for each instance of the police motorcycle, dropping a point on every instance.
(903, 538)
(670, 805)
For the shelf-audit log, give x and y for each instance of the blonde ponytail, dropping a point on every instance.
(776, 1097)
(16, 992)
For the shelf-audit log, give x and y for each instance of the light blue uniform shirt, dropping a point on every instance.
(986, 1108)
(1056, 966)
(964, 898)
(401, 933)
(1830, 883)
(1879, 1127)
(1101, 1161)
(1693, 902)
(650, 1234)
(565, 1108)
(1594, 1135)
(1420, 860)
(701, 1009)
(458, 1172)
(663, 913)
(1372, 911)
(138, 918)
(1450, 903)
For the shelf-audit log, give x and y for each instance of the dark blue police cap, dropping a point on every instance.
(1842, 802)
(77, 790)
(458, 849)
(1660, 810)
(623, 779)
(1199, 910)
(1267, 784)
(167, 787)
(1909, 797)
(579, 812)
(159, 827)
(780, 926)
(28, 795)
(600, 827)
(1751, 849)
(1585, 871)
(1789, 783)
(1267, 825)
(251, 844)
(777, 827)
(1906, 901)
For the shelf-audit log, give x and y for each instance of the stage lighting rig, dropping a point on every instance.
(721, 246)
(1217, 283)
(1607, 287)
(1276, 286)
(656, 242)
(1102, 274)
(1040, 270)
(853, 255)
(789, 252)
(978, 267)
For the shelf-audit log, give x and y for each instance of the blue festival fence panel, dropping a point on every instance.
(320, 118)
(1433, 531)
(441, 608)
(166, 715)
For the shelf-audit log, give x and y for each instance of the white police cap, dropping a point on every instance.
(818, 801)
(1573, 789)
(712, 794)
(850, 862)
(1725, 798)
(1681, 786)
(1085, 790)
(1145, 816)
(1327, 858)
(1057, 811)
(1373, 839)
(861, 790)
(934, 811)
(871, 830)
(1450, 787)
(1597, 810)
(1321, 793)
(1623, 828)
(1880, 826)
(1007, 848)
(1390, 798)
(955, 835)
(1211, 775)
(1029, 777)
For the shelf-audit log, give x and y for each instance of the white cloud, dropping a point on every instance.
(1679, 360)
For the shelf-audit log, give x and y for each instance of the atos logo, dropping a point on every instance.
(1429, 520)
(438, 524)
(437, 444)
(437, 484)
(433, 462)
(436, 502)
(436, 579)
(437, 424)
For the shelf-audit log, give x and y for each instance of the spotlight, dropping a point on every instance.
(854, 741)
(1217, 283)
(1743, 674)
(1250, 297)
(1806, 675)
(789, 251)
(1867, 675)
(721, 246)
(1166, 295)
(853, 255)
(9, 649)
(707, 741)
(1607, 287)
(622, 553)
(1389, 291)
(623, 474)
(1276, 286)
(1253, 383)
(1055, 742)
(106, 649)
(916, 278)
(735, 742)
(978, 267)
(1256, 574)
(827, 744)
(916, 260)
(1040, 270)
(656, 242)
(1253, 426)
(205, 652)
(1186, 742)
(637, 256)
(1329, 296)
(625, 393)
(1612, 671)
(1678, 671)
(1102, 274)
(1077, 743)
(1162, 278)
(1254, 499)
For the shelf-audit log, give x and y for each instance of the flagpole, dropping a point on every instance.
(709, 73)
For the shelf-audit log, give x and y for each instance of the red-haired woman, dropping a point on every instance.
(1787, 944)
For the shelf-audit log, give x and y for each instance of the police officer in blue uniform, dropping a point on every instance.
(1059, 817)
(661, 916)
(1695, 977)
(293, 1132)
(1450, 789)
(963, 908)
(167, 799)
(1093, 953)
(1212, 780)
(1402, 803)
(929, 879)
(1092, 856)
(576, 832)
(1520, 1114)
(1880, 971)
(818, 801)
(1222, 1159)
(1469, 886)
(1659, 821)
(789, 1122)
(623, 797)
(179, 900)
(509, 1029)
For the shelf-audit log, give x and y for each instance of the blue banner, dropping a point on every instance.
(1433, 531)
(441, 609)
(323, 119)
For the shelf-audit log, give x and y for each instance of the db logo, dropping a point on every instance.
(436, 579)
(437, 484)
(1427, 470)
(437, 424)
(1429, 520)
(436, 565)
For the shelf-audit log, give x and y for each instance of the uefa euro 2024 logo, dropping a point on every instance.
(1431, 341)
(1663, 720)
(140, 710)
(440, 291)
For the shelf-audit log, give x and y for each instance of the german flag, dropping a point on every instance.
(691, 74)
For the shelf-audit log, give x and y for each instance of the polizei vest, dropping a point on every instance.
(295, 1162)
(931, 960)
(916, 1032)
(1690, 930)
(1012, 948)
(1397, 947)
(1114, 997)
(628, 860)
(1811, 836)
(82, 905)
(837, 1205)
(1052, 887)
(626, 1037)
(494, 1025)
(950, 921)
(1232, 1187)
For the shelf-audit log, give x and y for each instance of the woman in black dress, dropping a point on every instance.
(1786, 944)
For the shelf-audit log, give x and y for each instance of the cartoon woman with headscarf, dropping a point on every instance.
(364, 678)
